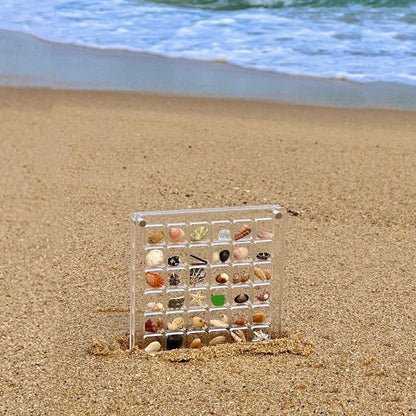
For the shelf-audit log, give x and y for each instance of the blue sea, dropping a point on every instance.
(357, 40)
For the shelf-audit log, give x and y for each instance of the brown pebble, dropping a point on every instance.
(259, 317)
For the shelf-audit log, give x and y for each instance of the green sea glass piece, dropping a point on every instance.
(218, 300)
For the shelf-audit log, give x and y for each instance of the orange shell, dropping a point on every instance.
(154, 280)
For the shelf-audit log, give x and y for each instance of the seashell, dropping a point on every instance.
(196, 343)
(217, 323)
(177, 323)
(263, 256)
(260, 336)
(259, 317)
(265, 234)
(244, 231)
(218, 300)
(224, 235)
(238, 335)
(245, 277)
(241, 321)
(241, 253)
(149, 326)
(156, 238)
(263, 296)
(176, 234)
(222, 278)
(224, 254)
(153, 347)
(236, 278)
(154, 280)
(154, 258)
(154, 306)
(199, 234)
(174, 279)
(215, 257)
(241, 298)
(224, 318)
(176, 303)
(174, 260)
(198, 322)
(159, 323)
(218, 340)
(174, 341)
(263, 275)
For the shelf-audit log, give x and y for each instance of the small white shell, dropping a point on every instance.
(154, 258)
(218, 340)
(218, 323)
(153, 347)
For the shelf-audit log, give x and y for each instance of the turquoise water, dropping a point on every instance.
(361, 41)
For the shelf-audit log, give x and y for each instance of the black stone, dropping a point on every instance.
(224, 254)
(263, 256)
(241, 298)
(174, 341)
(174, 260)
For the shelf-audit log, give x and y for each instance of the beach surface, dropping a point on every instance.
(75, 164)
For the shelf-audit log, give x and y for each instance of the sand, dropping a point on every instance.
(74, 165)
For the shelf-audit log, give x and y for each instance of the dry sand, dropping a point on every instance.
(74, 165)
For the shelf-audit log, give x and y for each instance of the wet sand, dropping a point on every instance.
(75, 164)
(26, 61)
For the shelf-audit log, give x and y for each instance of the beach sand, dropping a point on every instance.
(75, 164)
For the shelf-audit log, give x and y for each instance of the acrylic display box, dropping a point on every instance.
(206, 276)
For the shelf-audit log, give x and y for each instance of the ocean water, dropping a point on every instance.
(361, 41)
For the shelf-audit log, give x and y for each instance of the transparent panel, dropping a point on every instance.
(206, 276)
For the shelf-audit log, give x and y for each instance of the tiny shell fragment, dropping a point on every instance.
(265, 234)
(154, 280)
(153, 347)
(217, 323)
(177, 323)
(238, 336)
(241, 253)
(244, 231)
(222, 278)
(198, 322)
(218, 340)
(156, 238)
(176, 234)
(261, 274)
(196, 343)
(154, 306)
(154, 258)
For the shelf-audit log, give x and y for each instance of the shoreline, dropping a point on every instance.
(32, 62)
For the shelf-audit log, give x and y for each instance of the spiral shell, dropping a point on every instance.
(244, 231)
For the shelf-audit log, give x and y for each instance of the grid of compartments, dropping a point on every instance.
(206, 282)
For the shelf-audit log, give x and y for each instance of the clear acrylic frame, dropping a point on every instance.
(206, 273)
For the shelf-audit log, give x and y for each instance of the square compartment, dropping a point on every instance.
(221, 231)
(199, 232)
